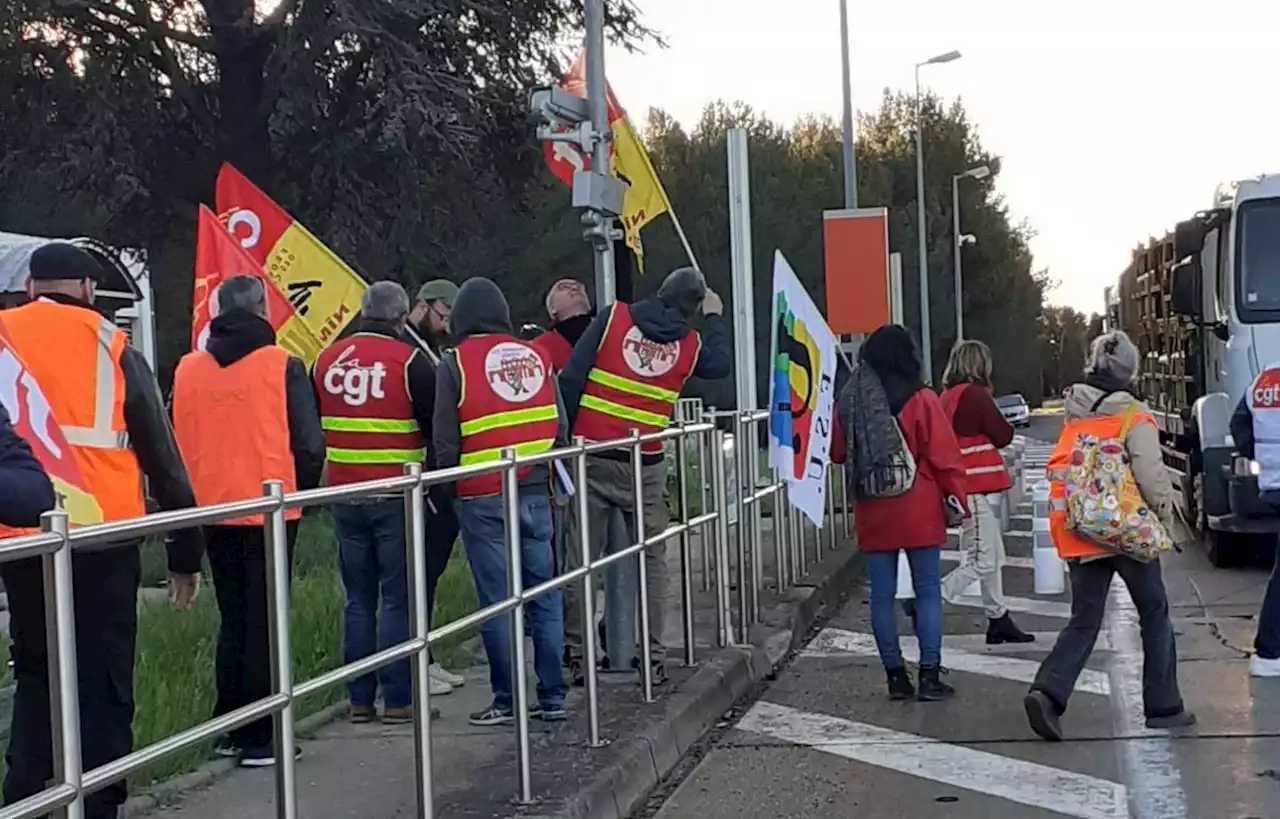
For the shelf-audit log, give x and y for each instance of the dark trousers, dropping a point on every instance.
(106, 621)
(441, 533)
(238, 560)
(1267, 643)
(1090, 583)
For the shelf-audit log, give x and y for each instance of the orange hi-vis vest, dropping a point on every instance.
(507, 400)
(635, 382)
(232, 426)
(73, 353)
(984, 468)
(1070, 545)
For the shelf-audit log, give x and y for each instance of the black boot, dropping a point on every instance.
(1003, 630)
(932, 688)
(1044, 715)
(900, 687)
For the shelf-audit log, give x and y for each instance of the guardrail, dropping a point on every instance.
(54, 546)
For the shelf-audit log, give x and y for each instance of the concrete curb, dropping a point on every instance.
(165, 793)
(643, 760)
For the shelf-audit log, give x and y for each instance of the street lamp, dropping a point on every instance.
(980, 172)
(850, 168)
(926, 340)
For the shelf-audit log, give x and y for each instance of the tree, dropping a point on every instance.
(1064, 348)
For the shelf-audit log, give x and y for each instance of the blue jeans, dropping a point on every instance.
(882, 567)
(372, 560)
(484, 537)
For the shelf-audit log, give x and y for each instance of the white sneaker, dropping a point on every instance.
(450, 679)
(1259, 667)
(438, 687)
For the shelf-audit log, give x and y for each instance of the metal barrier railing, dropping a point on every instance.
(53, 546)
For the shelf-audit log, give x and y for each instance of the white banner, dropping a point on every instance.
(802, 399)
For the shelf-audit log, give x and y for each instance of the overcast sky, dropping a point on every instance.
(1114, 119)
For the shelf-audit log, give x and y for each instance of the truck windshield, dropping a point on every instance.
(1258, 261)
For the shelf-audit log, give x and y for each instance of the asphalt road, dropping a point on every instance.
(824, 741)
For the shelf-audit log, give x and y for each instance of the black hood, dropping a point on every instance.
(573, 327)
(660, 321)
(480, 308)
(380, 327)
(235, 334)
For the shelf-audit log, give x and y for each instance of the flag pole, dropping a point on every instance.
(684, 240)
(671, 211)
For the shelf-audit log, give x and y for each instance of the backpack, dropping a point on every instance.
(901, 474)
(1104, 503)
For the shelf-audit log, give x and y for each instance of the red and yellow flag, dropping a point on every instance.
(32, 418)
(323, 290)
(646, 199)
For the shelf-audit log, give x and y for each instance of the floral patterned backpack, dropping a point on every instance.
(1104, 504)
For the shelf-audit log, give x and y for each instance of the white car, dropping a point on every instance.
(1015, 410)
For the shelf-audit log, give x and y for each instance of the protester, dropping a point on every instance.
(242, 383)
(885, 390)
(982, 431)
(428, 323)
(627, 372)
(25, 490)
(569, 308)
(496, 392)
(1255, 429)
(1098, 407)
(376, 399)
(107, 401)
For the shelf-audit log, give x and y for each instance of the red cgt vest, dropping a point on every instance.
(369, 428)
(507, 400)
(635, 382)
(984, 468)
(555, 348)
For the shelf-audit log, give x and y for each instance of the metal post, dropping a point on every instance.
(588, 595)
(706, 472)
(744, 316)
(801, 541)
(779, 538)
(755, 535)
(515, 583)
(850, 167)
(637, 498)
(843, 481)
(276, 539)
(955, 228)
(926, 337)
(419, 663)
(829, 524)
(740, 541)
(724, 622)
(600, 225)
(686, 559)
(60, 642)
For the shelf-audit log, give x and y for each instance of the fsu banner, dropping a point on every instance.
(323, 290)
(646, 199)
(220, 257)
(32, 418)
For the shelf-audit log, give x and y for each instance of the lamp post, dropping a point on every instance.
(850, 169)
(980, 172)
(926, 338)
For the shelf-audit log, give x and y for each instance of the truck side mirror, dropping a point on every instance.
(1185, 288)
(1188, 238)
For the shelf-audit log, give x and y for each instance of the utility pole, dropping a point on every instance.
(598, 224)
(850, 168)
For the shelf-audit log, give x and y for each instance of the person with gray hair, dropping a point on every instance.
(1108, 392)
(244, 413)
(377, 396)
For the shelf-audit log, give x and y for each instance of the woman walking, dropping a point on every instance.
(982, 431)
(886, 394)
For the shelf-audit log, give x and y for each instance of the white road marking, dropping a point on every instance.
(1151, 767)
(837, 642)
(977, 643)
(1025, 783)
(1013, 562)
(1025, 605)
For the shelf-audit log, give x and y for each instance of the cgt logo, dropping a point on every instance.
(1266, 390)
(514, 371)
(646, 357)
(353, 381)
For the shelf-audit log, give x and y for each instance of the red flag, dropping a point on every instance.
(219, 257)
(563, 158)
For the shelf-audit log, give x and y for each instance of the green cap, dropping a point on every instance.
(441, 290)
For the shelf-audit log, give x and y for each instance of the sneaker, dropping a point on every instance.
(226, 748)
(1004, 630)
(263, 757)
(931, 687)
(492, 716)
(1043, 715)
(437, 686)
(404, 716)
(362, 714)
(1262, 667)
(549, 713)
(1182, 719)
(439, 672)
(900, 687)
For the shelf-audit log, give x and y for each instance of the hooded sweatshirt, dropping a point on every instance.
(1089, 400)
(235, 334)
(480, 309)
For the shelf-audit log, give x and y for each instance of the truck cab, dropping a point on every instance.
(1225, 290)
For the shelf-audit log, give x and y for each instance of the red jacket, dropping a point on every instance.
(918, 518)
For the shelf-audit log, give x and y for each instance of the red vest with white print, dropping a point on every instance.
(984, 467)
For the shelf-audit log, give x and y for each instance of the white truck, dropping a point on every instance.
(1203, 306)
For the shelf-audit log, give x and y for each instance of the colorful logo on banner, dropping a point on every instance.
(32, 418)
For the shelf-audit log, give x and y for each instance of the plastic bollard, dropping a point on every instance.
(906, 589)
(1050, 574)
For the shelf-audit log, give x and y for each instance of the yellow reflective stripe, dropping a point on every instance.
(617, 382)
(101, 435)
(639, 416)
(486, 455)
(338, 455)
(368, 425)
(510, 418)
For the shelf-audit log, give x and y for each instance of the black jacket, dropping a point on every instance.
(151, 439)
(659, 322)
(25, 490)
(234, 335)
(479, 309)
